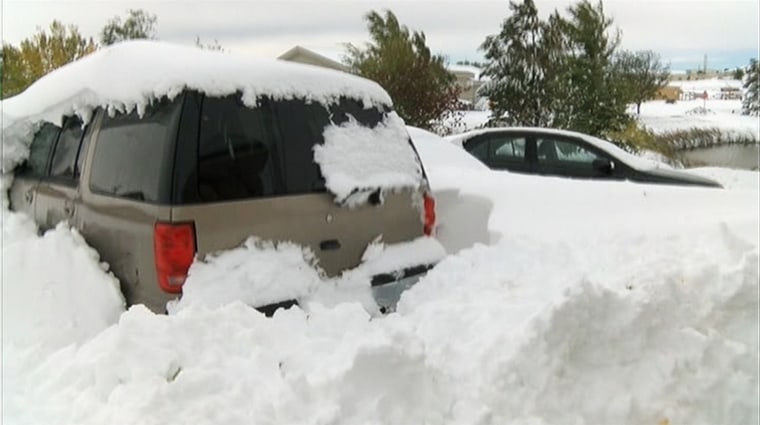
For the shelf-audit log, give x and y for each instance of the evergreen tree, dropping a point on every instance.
(421, 87)
(518, 62)
(738, 73)
(40, 54)
(751, 101)
(556, 73)
(139, 24)
(641, 74)
(598, 98)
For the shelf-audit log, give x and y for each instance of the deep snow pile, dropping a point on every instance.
(562, 301)
(55, 291)
(646, 313)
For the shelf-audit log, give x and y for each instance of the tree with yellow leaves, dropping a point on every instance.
(43, 52)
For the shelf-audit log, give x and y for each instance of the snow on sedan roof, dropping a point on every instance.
(131, 74)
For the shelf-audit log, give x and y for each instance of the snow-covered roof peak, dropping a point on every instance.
(131, 74)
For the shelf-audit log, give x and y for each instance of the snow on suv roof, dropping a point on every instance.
(131, 74)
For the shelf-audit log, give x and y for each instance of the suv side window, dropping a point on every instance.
(63, 164)
(39, 151)
(133, 156)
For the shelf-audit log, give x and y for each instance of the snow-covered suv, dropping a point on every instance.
(160, 153)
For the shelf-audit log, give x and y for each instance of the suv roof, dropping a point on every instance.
(133, 73)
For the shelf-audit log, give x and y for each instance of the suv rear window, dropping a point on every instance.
(133, 155)
(267, 150)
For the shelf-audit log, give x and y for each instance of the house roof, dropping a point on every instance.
(297, 51)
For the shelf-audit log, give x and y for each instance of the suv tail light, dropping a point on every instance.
(174, 250)
(429, 217)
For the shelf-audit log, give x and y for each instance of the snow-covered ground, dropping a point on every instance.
(725, 115)
(561, 301)
(557, 301)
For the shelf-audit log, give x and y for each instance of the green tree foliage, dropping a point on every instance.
(422, 89)
(600, 101)
(738, 73)
(518, 62)
(560, 72)
(138, 24)
(43, 52)
(641, 74)
(751, 101)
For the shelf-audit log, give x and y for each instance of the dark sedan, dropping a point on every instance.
(567, 154)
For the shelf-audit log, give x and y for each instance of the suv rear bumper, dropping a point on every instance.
(387, 287)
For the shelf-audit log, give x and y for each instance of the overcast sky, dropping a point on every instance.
(682, 31)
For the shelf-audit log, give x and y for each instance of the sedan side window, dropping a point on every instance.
(508, 148)
(568, 158)
(478, 149)
(564, 152)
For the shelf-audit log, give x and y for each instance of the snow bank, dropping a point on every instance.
(55, 291)
(555, 333)
(521, 332)
(357, 160)
(728, 178)
(262, 272)
(586, 302)
(257, 273)
(438, 152)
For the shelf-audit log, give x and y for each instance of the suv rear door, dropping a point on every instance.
(58, 192)
(126, 190)
(256, 176)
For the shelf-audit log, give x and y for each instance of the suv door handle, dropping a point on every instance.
(68, 208)
(329, 245)
(29, 196)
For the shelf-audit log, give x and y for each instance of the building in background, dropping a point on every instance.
(303, 55)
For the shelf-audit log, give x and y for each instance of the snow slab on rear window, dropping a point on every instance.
(131, 74)
(356, 160)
